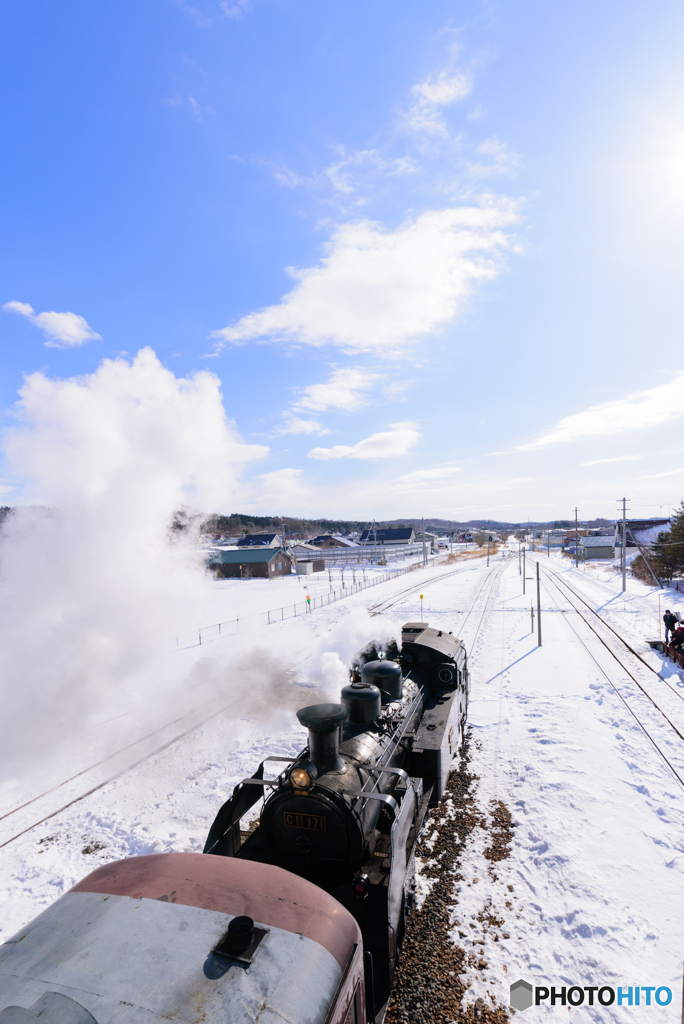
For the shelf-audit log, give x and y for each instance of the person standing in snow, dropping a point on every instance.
(670, 622)
(677, 638)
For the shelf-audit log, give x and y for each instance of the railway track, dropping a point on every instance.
(111, 778)
(383, 606)
(632, 665)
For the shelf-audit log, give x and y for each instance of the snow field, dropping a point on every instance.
(596, 865)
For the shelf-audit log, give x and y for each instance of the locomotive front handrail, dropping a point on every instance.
(259, 782)
(384, 798)
(395, 771)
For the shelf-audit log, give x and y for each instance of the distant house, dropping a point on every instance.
(330, 540)
(430, 540)
(305, 551)
(265, 561)
(402, 535)
(261, 540)
(597, 547)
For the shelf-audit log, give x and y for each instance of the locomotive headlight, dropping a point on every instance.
(300, 778)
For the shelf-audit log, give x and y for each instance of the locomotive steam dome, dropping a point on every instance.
(386, 675)
(364, 702)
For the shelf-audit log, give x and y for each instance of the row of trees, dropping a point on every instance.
(666, 555)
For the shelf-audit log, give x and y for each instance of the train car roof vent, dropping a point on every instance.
(238, 945)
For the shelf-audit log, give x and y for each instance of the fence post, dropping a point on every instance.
(200, 637)
(269, 618)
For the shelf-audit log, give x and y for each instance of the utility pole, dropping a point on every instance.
(424, 554)
(523, 568)
(487, 554)
(548, 543)
(624, 543)
(538, 609)
(576, 541)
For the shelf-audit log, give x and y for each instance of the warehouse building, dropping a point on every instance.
(597, 547)
(402, 535)
(248, 563)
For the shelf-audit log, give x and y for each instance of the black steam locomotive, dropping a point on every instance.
(345, 814)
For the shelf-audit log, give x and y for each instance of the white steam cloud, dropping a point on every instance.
(92, 586)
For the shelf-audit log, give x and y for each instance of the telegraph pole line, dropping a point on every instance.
(624, 542)
(539, 643)
(523, 567)
(576, 542)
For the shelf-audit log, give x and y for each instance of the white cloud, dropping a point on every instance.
(281, 489)
(637, 411)
(22, 308)
(343, 390)
(656, 476)
(397, 440)
(436, 91)
(62, 330)
(297, 425)
(618, 458)
(442, 89)
(503, 161)
(378, 290)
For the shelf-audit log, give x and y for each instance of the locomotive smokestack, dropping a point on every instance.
(323, 722)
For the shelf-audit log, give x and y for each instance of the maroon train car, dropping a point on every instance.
(186, 937)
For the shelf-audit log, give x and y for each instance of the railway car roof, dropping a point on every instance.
(133, 942)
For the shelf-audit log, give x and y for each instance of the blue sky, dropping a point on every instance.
(417, 243)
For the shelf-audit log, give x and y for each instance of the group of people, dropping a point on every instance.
(674, 629)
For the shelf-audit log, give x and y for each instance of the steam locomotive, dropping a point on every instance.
(298, 919)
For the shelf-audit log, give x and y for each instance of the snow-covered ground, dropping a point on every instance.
(596, 863)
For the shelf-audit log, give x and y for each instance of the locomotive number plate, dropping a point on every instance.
(314, 822)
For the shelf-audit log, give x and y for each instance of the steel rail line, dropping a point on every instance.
(675, 773)
(551, 578)
(112, 778)
(492, 576)
(382, 606)
(622, 640)
(84, 771)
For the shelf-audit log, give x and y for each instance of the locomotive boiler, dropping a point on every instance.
(345, 813)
